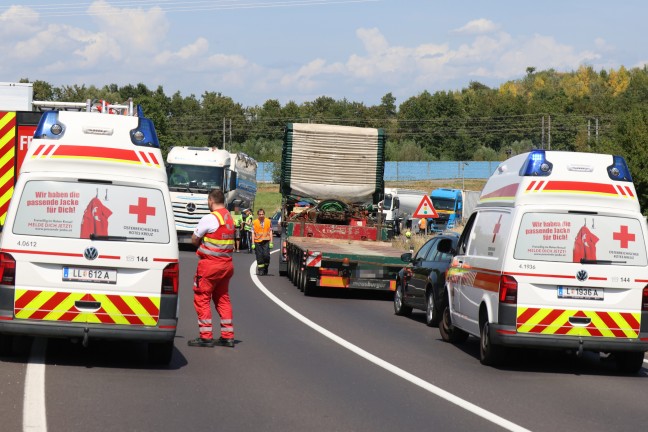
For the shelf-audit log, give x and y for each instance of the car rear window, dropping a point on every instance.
(582, 238)
(69, 209)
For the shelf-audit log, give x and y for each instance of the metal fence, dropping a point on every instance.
(412, 171)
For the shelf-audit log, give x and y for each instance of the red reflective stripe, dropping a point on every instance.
(125, 310)
(546, 321)
(149, 306)
(153, 158)
(25, 299)
(49, 305)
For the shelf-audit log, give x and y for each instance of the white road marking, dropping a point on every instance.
(487, 415)
(34, 416)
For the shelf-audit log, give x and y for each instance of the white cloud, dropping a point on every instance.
(135, 29)
(478, 26)
(18, 21)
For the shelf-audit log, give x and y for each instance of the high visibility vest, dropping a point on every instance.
(248, 223)
(219, 245)
(238, 220)
(262, 232)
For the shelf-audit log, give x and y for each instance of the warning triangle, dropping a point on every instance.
(425, 209)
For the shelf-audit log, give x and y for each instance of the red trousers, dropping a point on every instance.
(212, 283)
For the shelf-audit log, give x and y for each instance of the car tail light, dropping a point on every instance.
(170, 277)
(644, 299)
(508, 289)
(7, 269)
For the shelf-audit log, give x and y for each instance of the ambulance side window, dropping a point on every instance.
(462, 245)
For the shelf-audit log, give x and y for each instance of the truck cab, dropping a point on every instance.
(448, 204)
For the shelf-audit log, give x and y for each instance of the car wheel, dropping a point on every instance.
(6, 344)
(450, 333)
(432, 314)
(399, 301)
(629, 362)
(489, 354)
(160, 353)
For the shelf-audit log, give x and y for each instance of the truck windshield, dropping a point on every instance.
(443, 203)
(387, 203)
(195, 176)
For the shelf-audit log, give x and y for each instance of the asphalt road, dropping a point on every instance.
(369, 371)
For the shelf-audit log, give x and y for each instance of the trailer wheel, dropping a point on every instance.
(310, 288)
(301, 277)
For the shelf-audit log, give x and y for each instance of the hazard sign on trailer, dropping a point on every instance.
(425, 209)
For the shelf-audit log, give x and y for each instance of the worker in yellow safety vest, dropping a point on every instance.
(238, 226)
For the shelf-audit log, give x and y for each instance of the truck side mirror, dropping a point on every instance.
(396, 203)
(232, 181)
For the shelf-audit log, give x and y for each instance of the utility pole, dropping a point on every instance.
(549, 133)
(543, 128)
(223, 133)
(597, 130)
(230, 130)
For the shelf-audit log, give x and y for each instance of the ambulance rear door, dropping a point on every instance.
(90, 251)
(580, 273)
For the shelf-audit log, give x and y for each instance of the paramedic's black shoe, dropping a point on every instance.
(200, 342)
(225, 342)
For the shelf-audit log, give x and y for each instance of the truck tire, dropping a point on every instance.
(400, 308)
(432, 313)
(450, 333)
(310, 288)
(629, 362)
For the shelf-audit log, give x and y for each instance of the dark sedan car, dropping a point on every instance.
(275, 223)
(421, 284)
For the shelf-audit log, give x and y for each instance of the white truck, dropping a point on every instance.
(194, 171)
(399, 205)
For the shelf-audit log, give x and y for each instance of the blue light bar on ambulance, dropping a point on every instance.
(536, 164)
(49, 127)
(144, 134)
(619, 169)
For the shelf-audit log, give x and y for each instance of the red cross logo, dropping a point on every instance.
(623, 236)
(141, 210)
(497, 227)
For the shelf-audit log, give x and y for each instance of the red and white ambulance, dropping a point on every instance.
(553, 257)
(89, 249)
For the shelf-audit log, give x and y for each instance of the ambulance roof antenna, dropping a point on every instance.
(97, 195)
(106, 199)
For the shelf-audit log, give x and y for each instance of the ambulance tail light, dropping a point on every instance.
(619, 169)
(644, 299)
(508, 289)
(49, 126)
(170, 276)
(536, 165)
(8, 269)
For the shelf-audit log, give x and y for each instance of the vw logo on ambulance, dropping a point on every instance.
(91, 253)
(581, 275)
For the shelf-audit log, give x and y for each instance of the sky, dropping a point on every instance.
(299, 50)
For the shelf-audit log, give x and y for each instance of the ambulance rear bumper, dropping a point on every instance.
(165, 331)
(508, 336)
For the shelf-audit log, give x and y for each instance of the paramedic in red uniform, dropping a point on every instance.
(262, 242)
(214, 238)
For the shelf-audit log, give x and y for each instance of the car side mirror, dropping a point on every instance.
(406, 257)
